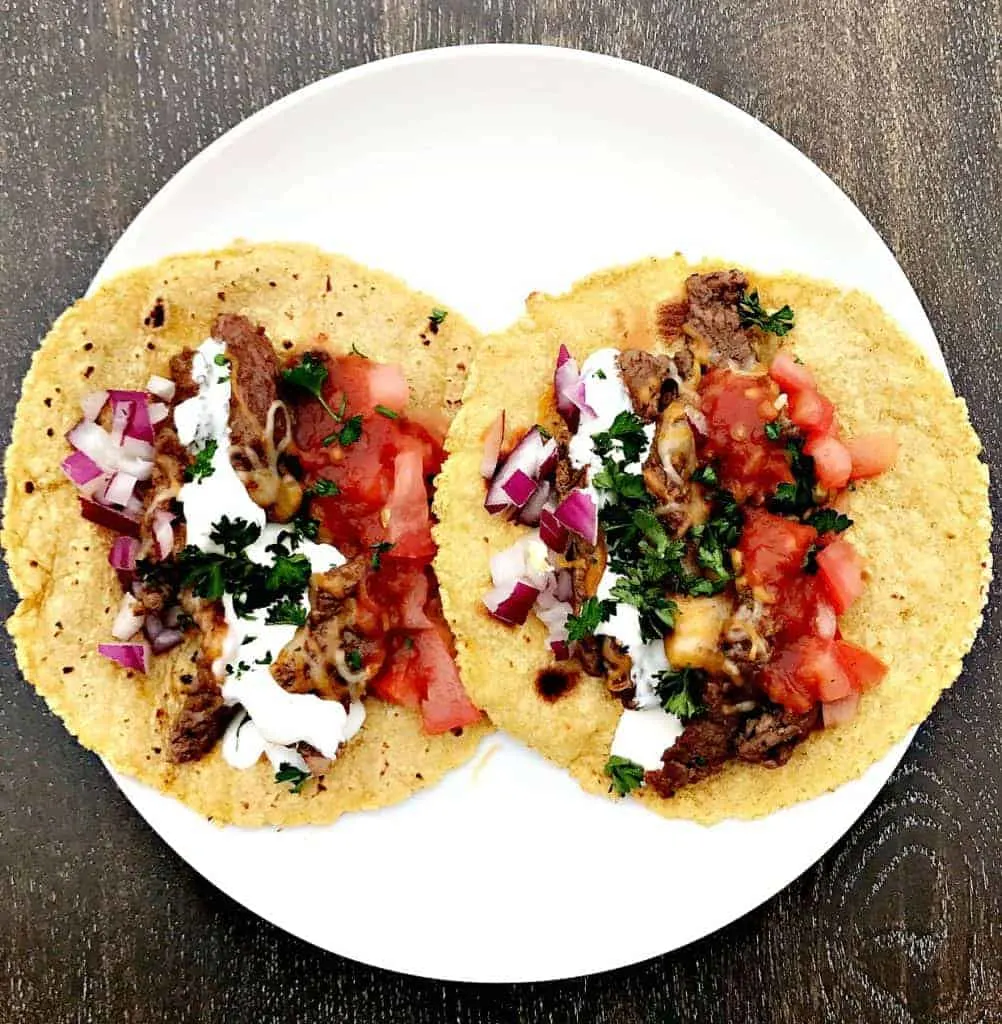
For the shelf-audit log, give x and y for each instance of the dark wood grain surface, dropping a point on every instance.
(900, 103)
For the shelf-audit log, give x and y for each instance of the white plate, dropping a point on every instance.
(480, 174)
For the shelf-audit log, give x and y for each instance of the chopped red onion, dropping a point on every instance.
(138, 420)
(172, 617)
(165, 640)
(552, 532)
(95, 488)
(134, 506)
(565, 376)
(561, 649)
(579, 513)
(158, 412)
(120, 522)
(153, 626)
(163, 532)
(520, 487)
(825, 621)
(120, 489)
(534, 506)
(120, 416)
(512, 564)
(492, 447)
(80, 468)
(564, 588)
(162, 387)
(526, 456)
(93, 403)
(123, 554)
(547, 459)
(129, 656)
(128, 620)
(838, 712)
(511, 604)
(132, 456)
(576, 395)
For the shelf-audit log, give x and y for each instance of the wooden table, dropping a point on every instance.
(900, 104)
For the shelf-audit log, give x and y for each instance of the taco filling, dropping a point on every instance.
(276, 517)
(689, 541)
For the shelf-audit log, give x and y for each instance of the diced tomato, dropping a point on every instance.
(399, 682)
(773, 548)
(388, 387)
(812, 413)
(782, 682)
(364, 384)
(791, 376)
(399, 590)
(840, 570)
(832, 462)
(737, 406)
(865, 670)
(446, 705)
(408, 523)
(872, 454)
(805, 672)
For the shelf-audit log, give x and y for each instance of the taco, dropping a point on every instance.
(218, 522)
(697, 523)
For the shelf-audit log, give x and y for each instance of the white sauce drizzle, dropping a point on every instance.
(639, 731)
(272, 720)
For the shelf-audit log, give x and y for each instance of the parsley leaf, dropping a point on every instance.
(753, 315)
(323, 488)
(289, 574)
(377, 553)
(350, 432)
(305, 526)
(828, 520)
(387, 412)
(233, 535)
(203, 574)
(296, 777)
(265, 659)
(202, 466)
(675, 689)
(438, 315)
(593, 612)
(220, 359)
(773, 430)
(810, 563)
(353, 659)
(706, 475)
(798, 497)
(310, 374)
(626, 775)
(628, 429)
(286, 613)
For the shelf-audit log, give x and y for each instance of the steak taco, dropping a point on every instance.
(218, 522)
(725, 523)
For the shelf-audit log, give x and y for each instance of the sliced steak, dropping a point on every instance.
(714, 318)
(769, 737)
(201, 718)
(180, 372)
(647, 376)
(252, 378)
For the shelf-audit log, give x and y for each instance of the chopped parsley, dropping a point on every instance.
(265, 659)
(353, 659)
(348, 434)
(286, 613)
(290, 574)
(828, 520)
(306, 527)
(626, 775)
(628, 429)
(388, 413)
(310, 374)
(202, 466)
(752, 314)
(296, 777)
(378, 550)
(675, 689)
(810, 563)
(233, 535)
(593, 613)
(713, 541)
(221, 359)
(706, 475)
(798, 497)
(323, 488)
(438, 315)
(773, 430)
(600, 374)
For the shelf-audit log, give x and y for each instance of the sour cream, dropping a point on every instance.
(273, 720)
(639, 731)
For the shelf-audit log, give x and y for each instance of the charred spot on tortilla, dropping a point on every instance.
(554, 683)
(709, 524)
(245, 633)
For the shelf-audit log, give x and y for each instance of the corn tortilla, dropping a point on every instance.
(58, 562)
(923, 528)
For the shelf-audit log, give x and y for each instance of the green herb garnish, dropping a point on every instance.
(289, 574)
(628, 429)
(438, 315)
(706, 475)
(296, 777)
(323, 488)
(353, 659)
(310, 374)
(377, 553)
(349, 433)
(753, 315)
(593, 613)
(286, 613)
(827, 520)
(773, 430)
(798, 497)
(675, 688)
(233, 535)
(202, 466)
(388, 413)
(626, 775)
